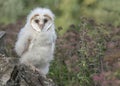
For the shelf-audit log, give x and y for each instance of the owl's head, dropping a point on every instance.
(41, 19)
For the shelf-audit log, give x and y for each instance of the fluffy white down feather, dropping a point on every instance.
(40, 45)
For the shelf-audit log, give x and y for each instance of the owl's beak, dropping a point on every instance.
(41, 26)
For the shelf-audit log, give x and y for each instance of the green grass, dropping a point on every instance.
(79, 53)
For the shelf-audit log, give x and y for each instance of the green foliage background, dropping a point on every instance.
(67, 11)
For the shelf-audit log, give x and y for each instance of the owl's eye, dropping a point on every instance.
(45, 20)
(37, 21)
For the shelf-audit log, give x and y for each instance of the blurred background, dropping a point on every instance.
(67, 12)
(88, 44)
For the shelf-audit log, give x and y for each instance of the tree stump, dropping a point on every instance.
(23, 75)
(2, 44)
(14, 74)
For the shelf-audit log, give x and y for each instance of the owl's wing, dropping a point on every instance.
(22, 43)
(47, 27)
(27, 46)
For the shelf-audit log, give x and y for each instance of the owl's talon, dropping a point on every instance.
(32, 67)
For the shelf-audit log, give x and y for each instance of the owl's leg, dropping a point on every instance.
(44, 68)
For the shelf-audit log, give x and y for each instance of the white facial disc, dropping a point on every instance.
(35, 26)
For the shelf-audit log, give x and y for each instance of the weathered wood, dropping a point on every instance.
(14, 74)
(2, 33)
(2, 44)
(6, 67)
(23, 75)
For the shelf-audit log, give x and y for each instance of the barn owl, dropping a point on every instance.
(36, 40)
